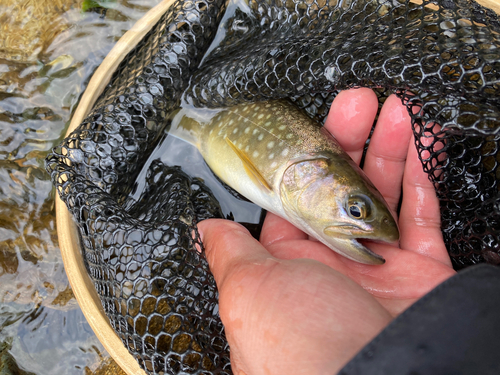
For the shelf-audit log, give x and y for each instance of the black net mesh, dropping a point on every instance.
(440, 57)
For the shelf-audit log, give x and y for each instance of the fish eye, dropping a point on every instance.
(358, 207)
(355, 211)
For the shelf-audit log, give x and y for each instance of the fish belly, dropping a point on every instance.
(225, 163)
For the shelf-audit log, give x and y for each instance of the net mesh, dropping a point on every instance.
(441, 58)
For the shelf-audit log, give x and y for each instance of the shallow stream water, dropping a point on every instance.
(48, 52)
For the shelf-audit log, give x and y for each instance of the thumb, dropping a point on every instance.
(230, 246)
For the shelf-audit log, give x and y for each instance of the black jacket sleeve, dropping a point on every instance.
(454, 329)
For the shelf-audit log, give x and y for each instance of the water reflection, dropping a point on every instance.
(174, 151)
(48, 341)
(48, 51)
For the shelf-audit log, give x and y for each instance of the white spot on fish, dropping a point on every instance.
(245, 120)
(260, 116)
(231, 122)
(255, 131)
(271, 156)
(247, 130)
(235, 130)
(268, 116)
(282, 127)
(270, 145)
(247, 148)
(274, 164)
(268, 105)
(268, 123)
(289, 136)
(285, 152)
(255, 154)
(260, 137)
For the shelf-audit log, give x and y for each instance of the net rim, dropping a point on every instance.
(67, 232)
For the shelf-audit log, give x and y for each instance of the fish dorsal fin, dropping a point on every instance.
(250, 168)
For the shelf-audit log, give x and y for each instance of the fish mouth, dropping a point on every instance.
(346, 239)
(353, 231)
(346, 231)
(352, 249)
(382, 241)
(371, 257)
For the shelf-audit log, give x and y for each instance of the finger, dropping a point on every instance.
(420, 222)
(351, 118)
(227, 244)
(240, 264)
(386, 154)
(277, 229)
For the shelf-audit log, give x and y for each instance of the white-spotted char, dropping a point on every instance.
(276, 156)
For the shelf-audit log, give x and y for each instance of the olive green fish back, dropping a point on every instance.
(442, 58)
(270, 133)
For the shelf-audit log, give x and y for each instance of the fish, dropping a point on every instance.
(279, 158)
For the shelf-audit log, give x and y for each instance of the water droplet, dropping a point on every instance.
(331, 74)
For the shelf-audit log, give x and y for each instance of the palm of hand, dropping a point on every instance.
(422, 261)
(293, 298)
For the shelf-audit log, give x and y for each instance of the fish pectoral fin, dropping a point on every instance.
(250, 167)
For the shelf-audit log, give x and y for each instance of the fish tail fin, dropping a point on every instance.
(185, 128)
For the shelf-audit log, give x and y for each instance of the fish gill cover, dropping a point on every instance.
(440, 57)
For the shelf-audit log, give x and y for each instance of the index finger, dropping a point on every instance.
(386, 154)
(351, 118)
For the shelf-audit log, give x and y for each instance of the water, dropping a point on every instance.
(48, 51)
(173, 151)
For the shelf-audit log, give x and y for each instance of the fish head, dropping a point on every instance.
(332, 199)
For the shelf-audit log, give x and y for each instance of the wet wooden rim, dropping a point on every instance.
(69, 243)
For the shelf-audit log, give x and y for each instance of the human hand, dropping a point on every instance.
(289, 304)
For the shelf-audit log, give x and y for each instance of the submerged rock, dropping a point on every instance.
(107, 367)
(8, 365)
(27, 26)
